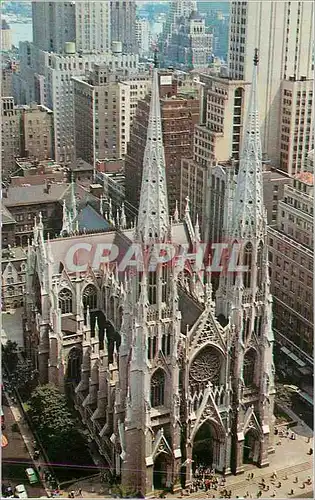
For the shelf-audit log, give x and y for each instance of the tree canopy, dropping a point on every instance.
(55, 425)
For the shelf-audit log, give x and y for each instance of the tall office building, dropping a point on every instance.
(53, 25)
(52, 75)
(123, 24)
(86, 23)
(104, 105)
(190, 46)
(291, 260)
(284, 35)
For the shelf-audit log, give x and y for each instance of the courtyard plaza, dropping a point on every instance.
(291, 464)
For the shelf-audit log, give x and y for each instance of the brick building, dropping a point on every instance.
(180, 112)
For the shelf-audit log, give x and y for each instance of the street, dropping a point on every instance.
(15, 457)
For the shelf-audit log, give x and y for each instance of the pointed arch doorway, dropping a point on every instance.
(160, 471)
(251, 447)
(206, 447)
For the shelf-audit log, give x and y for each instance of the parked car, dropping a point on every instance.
(31, 475)
(20, 491)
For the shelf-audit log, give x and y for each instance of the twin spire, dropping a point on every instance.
(153, 217)
(248, 209)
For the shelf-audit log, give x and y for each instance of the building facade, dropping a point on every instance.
(143, 36)
(11, 135)
(13, 263)
(104, 106)
(180, 112)
(284, 35)
(53, 74)
(123, 24)
(190, 46)
(6, 36)
(160, 381)
(291, 248)
(297, 124)
(86, 24)
(26, 131)
(37, 132)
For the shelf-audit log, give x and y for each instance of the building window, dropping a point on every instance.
(90, 297)
(260, 264)
(65, 301)
(248, 264)
(157, 388)
(249, 367)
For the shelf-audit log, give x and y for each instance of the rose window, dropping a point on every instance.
(206, 366)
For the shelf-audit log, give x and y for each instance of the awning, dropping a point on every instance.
(294, 358)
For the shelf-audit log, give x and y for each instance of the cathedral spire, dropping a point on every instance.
(249, 212)
(153, 218)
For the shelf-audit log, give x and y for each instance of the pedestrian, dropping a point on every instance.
(310, 451)
(252, 475)
(80, 492)
(291, 492)
(273, 494)
(279, 484)
(296, 480)
(285, 477)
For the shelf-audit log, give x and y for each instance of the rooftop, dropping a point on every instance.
(13, 253)
(31, 195)
(306, 177)
(6, 216)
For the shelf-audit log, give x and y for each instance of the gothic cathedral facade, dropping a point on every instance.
(164, 374)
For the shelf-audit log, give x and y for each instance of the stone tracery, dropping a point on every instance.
(206, 366)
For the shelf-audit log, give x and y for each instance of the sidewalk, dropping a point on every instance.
(28, 439)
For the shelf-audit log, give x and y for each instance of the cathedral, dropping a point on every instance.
(165, 374)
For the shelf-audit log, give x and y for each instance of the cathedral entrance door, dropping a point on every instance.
(160, 471)
(251, 447)
(205, 445)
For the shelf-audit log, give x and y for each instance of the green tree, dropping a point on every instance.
(20, 371)
(10, 356)
(55, 425)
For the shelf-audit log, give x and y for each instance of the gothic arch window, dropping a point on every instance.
(157, 388)
(164, 281)
(248, 255)
(38, 295)
(249, 367)
(90, 297)
(112, 308)
(236, 248)
(65, 301)
(260, 265)
(246, 328)
(258, 325)
(152, 286)
(74, 365)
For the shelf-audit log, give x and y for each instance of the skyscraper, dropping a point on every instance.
(86, 23)
(284, 35)
(123, 24)
(53, 25)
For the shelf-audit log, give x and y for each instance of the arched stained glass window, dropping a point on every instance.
(157, 388)
(248, 255)
(90, 297)
(65, 301)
